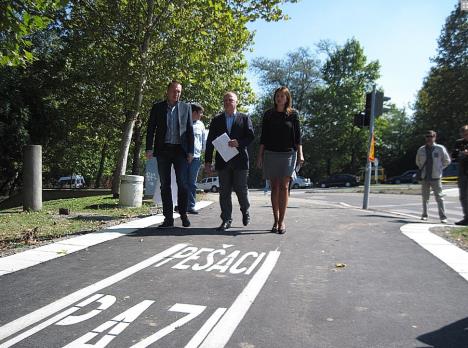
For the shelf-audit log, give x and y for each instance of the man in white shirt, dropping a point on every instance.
(199, 133)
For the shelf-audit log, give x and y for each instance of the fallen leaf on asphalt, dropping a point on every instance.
(340, 265)
(62, 252)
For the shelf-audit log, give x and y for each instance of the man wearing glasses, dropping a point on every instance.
(431, 160)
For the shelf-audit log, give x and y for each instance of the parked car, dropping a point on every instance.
(408, 177)
(346, 180)
(301, 182)
(450, 174)
(74, 181)
(209, 184)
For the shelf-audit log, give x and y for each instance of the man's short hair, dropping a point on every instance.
(197, 107)
(173, 82)
(430, 133)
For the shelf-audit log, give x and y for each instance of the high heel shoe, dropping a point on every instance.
(274, 229)
(282, 230)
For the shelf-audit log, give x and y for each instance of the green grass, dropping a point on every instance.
(460, 234)
(18, 228)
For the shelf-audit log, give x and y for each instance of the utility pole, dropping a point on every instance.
(367, 180)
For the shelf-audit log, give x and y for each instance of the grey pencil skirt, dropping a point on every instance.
(278, 164)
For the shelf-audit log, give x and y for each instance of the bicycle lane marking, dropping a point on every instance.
(184, 258)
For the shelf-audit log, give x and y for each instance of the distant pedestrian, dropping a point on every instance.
(169, 137)
(267, 187)
(431, 159)
(199, 145)
(280, 151)
(234, 173)
(460, 154)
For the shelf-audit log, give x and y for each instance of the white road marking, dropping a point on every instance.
(453, 256)
(115, 327)
(48, 252)
(223, 331)
(192, 311)
(27, 320)
(198, 338)
(38, 328)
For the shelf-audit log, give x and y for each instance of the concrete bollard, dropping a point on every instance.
(32, 178)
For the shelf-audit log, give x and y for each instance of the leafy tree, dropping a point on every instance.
(147, 43)
(442, 102)
(335, 144)
(18, 20)
(394, 141)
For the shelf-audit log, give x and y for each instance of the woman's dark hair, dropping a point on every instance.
(288, 106)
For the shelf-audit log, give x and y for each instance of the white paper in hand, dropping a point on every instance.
(221, 145)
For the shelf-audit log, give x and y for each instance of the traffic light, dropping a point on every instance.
(362, 120)
(379, 100)
(368, 109)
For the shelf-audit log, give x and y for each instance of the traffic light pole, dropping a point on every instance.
(367, 180)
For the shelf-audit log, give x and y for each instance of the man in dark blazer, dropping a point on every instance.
(169, 137)
(234, 173)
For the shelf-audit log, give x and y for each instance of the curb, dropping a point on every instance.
(52, 251)
(448, 253)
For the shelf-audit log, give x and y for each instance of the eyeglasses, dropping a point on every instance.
(429, 136)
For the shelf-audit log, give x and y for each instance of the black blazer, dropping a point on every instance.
(157, 127)
(242, 130)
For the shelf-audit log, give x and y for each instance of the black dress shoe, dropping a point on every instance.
(224, 226)
(167, 224)
(192, 211)
(463, 222)
(185, 220)
(245, 218)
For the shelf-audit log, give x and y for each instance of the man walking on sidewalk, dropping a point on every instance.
(170, 138)
(232, 174)
(431, 159)
(461, 154)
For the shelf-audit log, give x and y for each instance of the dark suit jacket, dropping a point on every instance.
(157, 127)
(242, 130)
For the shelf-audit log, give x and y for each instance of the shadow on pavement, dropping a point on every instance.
(450, 336)
(180, 231)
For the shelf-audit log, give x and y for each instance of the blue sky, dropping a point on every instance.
(401, 34)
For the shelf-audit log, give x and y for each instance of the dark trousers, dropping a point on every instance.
(233, 180)
(168, 156)
(463, 187)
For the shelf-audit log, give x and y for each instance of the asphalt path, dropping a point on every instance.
(339, 277)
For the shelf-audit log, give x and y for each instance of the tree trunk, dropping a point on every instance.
(97, 182)
(137, 147)
(123, 154)
(132, 116)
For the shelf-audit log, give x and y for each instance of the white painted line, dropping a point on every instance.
(450, 254)
(25, 259)
(206, 328)
(223, 331)
(452, 192)
(40, 314)
(38, 328)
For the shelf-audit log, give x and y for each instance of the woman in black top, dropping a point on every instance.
(280, 151)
